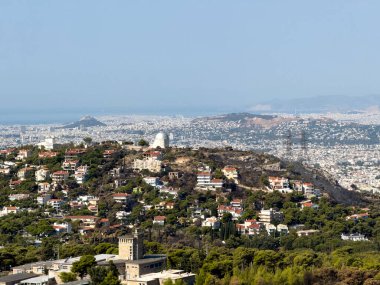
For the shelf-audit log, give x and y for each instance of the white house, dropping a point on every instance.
(159, 220)
(25, 173)
(81, 174)
(269, 216)
(23, 154)
(9, 210)
(42, 174)
(152, 181)
(43, 199)
(55, 203)
(204, 178)
(212, 222)
(354, 237)
(62, 227)
(120, 197)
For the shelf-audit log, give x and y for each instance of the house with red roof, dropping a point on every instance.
(9, 210)
(75, 153)
(356, 217)
(121, 197)
(60, 176)
(231, 173)
(47, 154)
(250, 227)
(70, 165)
(14, 183)
(279, 183)
(235, 212)
(108, 153)
(159, 220)
(308, 204)
(64, 227)
(211, 222)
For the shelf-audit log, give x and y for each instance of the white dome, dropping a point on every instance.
(161, 140)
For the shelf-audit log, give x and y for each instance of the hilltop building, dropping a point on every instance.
(161, 140)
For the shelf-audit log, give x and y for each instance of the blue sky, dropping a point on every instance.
(183, 56)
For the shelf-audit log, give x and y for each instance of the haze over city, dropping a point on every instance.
(60, 60)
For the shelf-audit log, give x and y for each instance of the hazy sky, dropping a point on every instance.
(183, 56)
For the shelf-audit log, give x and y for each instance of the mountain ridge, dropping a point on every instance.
(319, 104)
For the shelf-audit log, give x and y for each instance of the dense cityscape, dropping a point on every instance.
(345, 146)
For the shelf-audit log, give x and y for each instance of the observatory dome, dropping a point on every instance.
(161, 140)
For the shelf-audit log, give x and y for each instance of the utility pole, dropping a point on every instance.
(304, 146)
(288, 144)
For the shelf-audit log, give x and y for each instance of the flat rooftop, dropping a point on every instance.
(166, 274)
(17, 277)
(146, 260)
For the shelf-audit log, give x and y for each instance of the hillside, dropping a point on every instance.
(86, 122)
(248, 120)
(80, 200)
(253, 165)
(319, 104)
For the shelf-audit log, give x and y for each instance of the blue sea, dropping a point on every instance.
(63, 117)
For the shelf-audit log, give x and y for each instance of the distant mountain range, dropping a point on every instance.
(320, 104)
(254, 120)
(86, 122)
(237, 117)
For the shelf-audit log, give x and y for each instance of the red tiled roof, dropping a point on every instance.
(117, 195)
(26, 169)
(229, 169)
(47, 154)
(254, 226)
(61, 172)
(159, 218)
(152, 153)
(80, 217)
(75, 151)
(71, 161)
(59, 227)
(237, 201)
(11, 208)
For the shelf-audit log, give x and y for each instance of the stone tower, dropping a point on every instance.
(131, 247)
